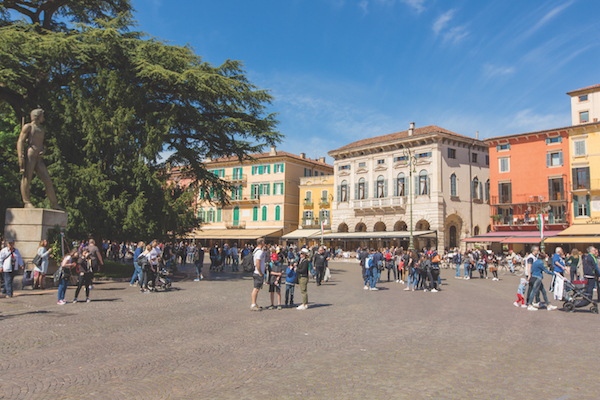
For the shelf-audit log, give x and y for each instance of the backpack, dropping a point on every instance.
(369, 261)
(143, 262)
(247, 263)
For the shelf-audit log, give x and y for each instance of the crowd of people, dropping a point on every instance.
(420, 270)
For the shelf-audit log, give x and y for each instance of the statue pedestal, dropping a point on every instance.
(28, 227)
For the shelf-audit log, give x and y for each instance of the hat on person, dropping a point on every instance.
(305, 251)
(523, 281)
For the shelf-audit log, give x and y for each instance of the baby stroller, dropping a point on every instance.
(28, 276)
(572, 292)
(161, 281)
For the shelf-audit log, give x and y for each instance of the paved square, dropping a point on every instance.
(202, 341)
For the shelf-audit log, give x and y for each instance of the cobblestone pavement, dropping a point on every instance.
(201, 341)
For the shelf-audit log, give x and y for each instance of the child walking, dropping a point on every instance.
(521, 293)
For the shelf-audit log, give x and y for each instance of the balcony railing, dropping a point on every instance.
(308, 204)
(245, 200)
(532, 220)
(324, 203)
(235, 224)
(527, 199)
(236, 178)
(384, 202)
(315, 223)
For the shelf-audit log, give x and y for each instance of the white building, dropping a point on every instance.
(449, 189)
(585, 105)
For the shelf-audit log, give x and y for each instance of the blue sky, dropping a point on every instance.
(344, 70)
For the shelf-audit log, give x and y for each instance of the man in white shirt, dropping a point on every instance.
(10, 261)
(258, 258)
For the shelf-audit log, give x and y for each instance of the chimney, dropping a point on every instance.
(322, 160)
(303, 155)
(412, 129)
(208, 159)
(477, 135)
(273, 151)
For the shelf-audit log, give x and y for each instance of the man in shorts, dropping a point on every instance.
(258, 258)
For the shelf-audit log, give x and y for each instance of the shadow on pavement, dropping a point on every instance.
(318, 305)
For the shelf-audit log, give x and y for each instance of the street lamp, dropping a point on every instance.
(411, 162)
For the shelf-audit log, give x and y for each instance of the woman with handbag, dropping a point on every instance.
(85, 271)
(64, 273)
(41, 270)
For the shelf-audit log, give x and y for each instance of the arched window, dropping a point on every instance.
(453, 185)
(423, 186)
(343, 227)
(264, 213)
(475, 190)
(476, 231)
(381, 190)
(255, 213)
(399, 189)
(211, 215)
(361, 189)
(343, 192)
(201, 215)
(324, 196)
(277, 213)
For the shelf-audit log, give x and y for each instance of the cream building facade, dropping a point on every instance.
(264, 201)
(449, 188)
(585, 105)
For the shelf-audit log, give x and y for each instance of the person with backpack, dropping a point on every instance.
(85, 271)
(199, 263)
(456, 259)
(389, 264)
(290, 284)
(64, 274)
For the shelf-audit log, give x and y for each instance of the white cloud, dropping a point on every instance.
(491, 71)
(528, 121)
(363, 4)
(456, 34)
(441, 22)
(547, 17)
(417, 5)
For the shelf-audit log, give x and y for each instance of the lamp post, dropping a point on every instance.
(411, 162)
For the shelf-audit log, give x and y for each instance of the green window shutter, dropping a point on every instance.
(253, 170)
(587, 178)
(277, 213)
(548, 159)
(269, 169)
(339, 193)
(218, 215)
(588, 211)
(281, 167)
(260, 169)
(264, 213)
(268, 189)
(560, 158)
(498, 148)
(255, 213)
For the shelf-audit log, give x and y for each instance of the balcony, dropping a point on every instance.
(308, 204)
(532, 221)
(235, 224)
(245, 200)
(385, 203)
(236, 178)
(315, 223)
(324, 203)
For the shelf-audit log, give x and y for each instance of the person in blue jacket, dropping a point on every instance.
(537, 270)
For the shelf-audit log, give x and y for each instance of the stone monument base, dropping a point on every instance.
(29, 226)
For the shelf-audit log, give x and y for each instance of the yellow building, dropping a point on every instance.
(584, 140)
(264, 201)
(316, 196)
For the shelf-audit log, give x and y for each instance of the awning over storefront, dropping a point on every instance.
(234, 233)
(378, 235)
(526, 237)
(302, 234)
(588, 233)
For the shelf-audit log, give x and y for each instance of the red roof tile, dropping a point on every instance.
(492, 139)
(584, 89)
(398, 135)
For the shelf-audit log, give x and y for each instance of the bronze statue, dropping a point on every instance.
(31, 150)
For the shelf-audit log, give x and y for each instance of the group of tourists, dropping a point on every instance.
(420, 269)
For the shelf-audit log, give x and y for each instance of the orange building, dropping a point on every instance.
(529, 175)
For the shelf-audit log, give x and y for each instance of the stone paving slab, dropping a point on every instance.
(202, 341)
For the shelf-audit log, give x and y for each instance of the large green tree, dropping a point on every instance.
(115, 101)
